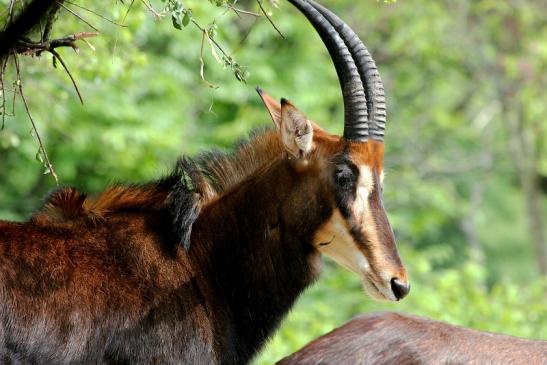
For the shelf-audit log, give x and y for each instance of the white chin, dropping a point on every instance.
(381, 295)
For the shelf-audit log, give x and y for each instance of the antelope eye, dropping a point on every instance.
(344, 176)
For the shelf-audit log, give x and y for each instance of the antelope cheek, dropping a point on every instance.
(335, 241)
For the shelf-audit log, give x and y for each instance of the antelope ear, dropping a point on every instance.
(273, 106)
(296, 130)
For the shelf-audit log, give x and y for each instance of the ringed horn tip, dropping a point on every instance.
(362, 87)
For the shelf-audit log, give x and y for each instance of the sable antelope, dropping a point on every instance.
(201, 266)
(393, 338)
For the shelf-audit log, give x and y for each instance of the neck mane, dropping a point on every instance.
(214, 173)
(193, 184)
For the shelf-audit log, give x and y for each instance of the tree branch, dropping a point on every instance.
(16, 29)
(36, 48)
(58, 56)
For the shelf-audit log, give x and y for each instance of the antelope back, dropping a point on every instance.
(392, 338)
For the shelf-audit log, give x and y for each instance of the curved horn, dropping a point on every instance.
(374, 88)
(355, 102)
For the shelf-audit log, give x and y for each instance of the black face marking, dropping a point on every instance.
(346, 175)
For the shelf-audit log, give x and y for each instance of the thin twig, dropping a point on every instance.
(88, 44)
(42, 148)
(14, 92)
(245, 36)
(58, 56)
(3, 89)
(128, 9)
(228, 8)
(95, 13)
(241, 11)
(115, 46)
(269, 19)
(152, 10)
(219, 47)
(202, 62)
(78, 16)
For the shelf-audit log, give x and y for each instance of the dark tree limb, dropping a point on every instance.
(16, 29)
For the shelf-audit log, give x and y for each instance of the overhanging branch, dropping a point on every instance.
(30, 16)
(28, 47)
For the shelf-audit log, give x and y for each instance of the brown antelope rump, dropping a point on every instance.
(393, 338)
(200, 267)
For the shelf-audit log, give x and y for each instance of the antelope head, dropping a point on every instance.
(357, 234)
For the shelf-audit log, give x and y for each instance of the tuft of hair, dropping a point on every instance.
(126, 197)
(61, 205)
(66, 204)
(186, 194)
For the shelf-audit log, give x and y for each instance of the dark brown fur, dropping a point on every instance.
(392, 338)
(106, 279)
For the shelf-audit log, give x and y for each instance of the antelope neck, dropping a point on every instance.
(261, 255)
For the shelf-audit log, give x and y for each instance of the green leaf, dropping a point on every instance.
(177, 21)
(39, 157)
(187, 17)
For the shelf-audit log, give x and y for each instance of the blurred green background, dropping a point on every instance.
(466, 158)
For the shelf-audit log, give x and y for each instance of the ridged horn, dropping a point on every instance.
(374, 88)
(355, 102)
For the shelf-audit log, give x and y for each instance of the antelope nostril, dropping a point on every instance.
(400, 289)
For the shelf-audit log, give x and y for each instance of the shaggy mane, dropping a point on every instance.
(193, 183)
(214, 172)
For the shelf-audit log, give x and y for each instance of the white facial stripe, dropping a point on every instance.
(364, 187)
(365, 178)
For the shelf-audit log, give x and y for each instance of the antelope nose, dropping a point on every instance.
(400, 289)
